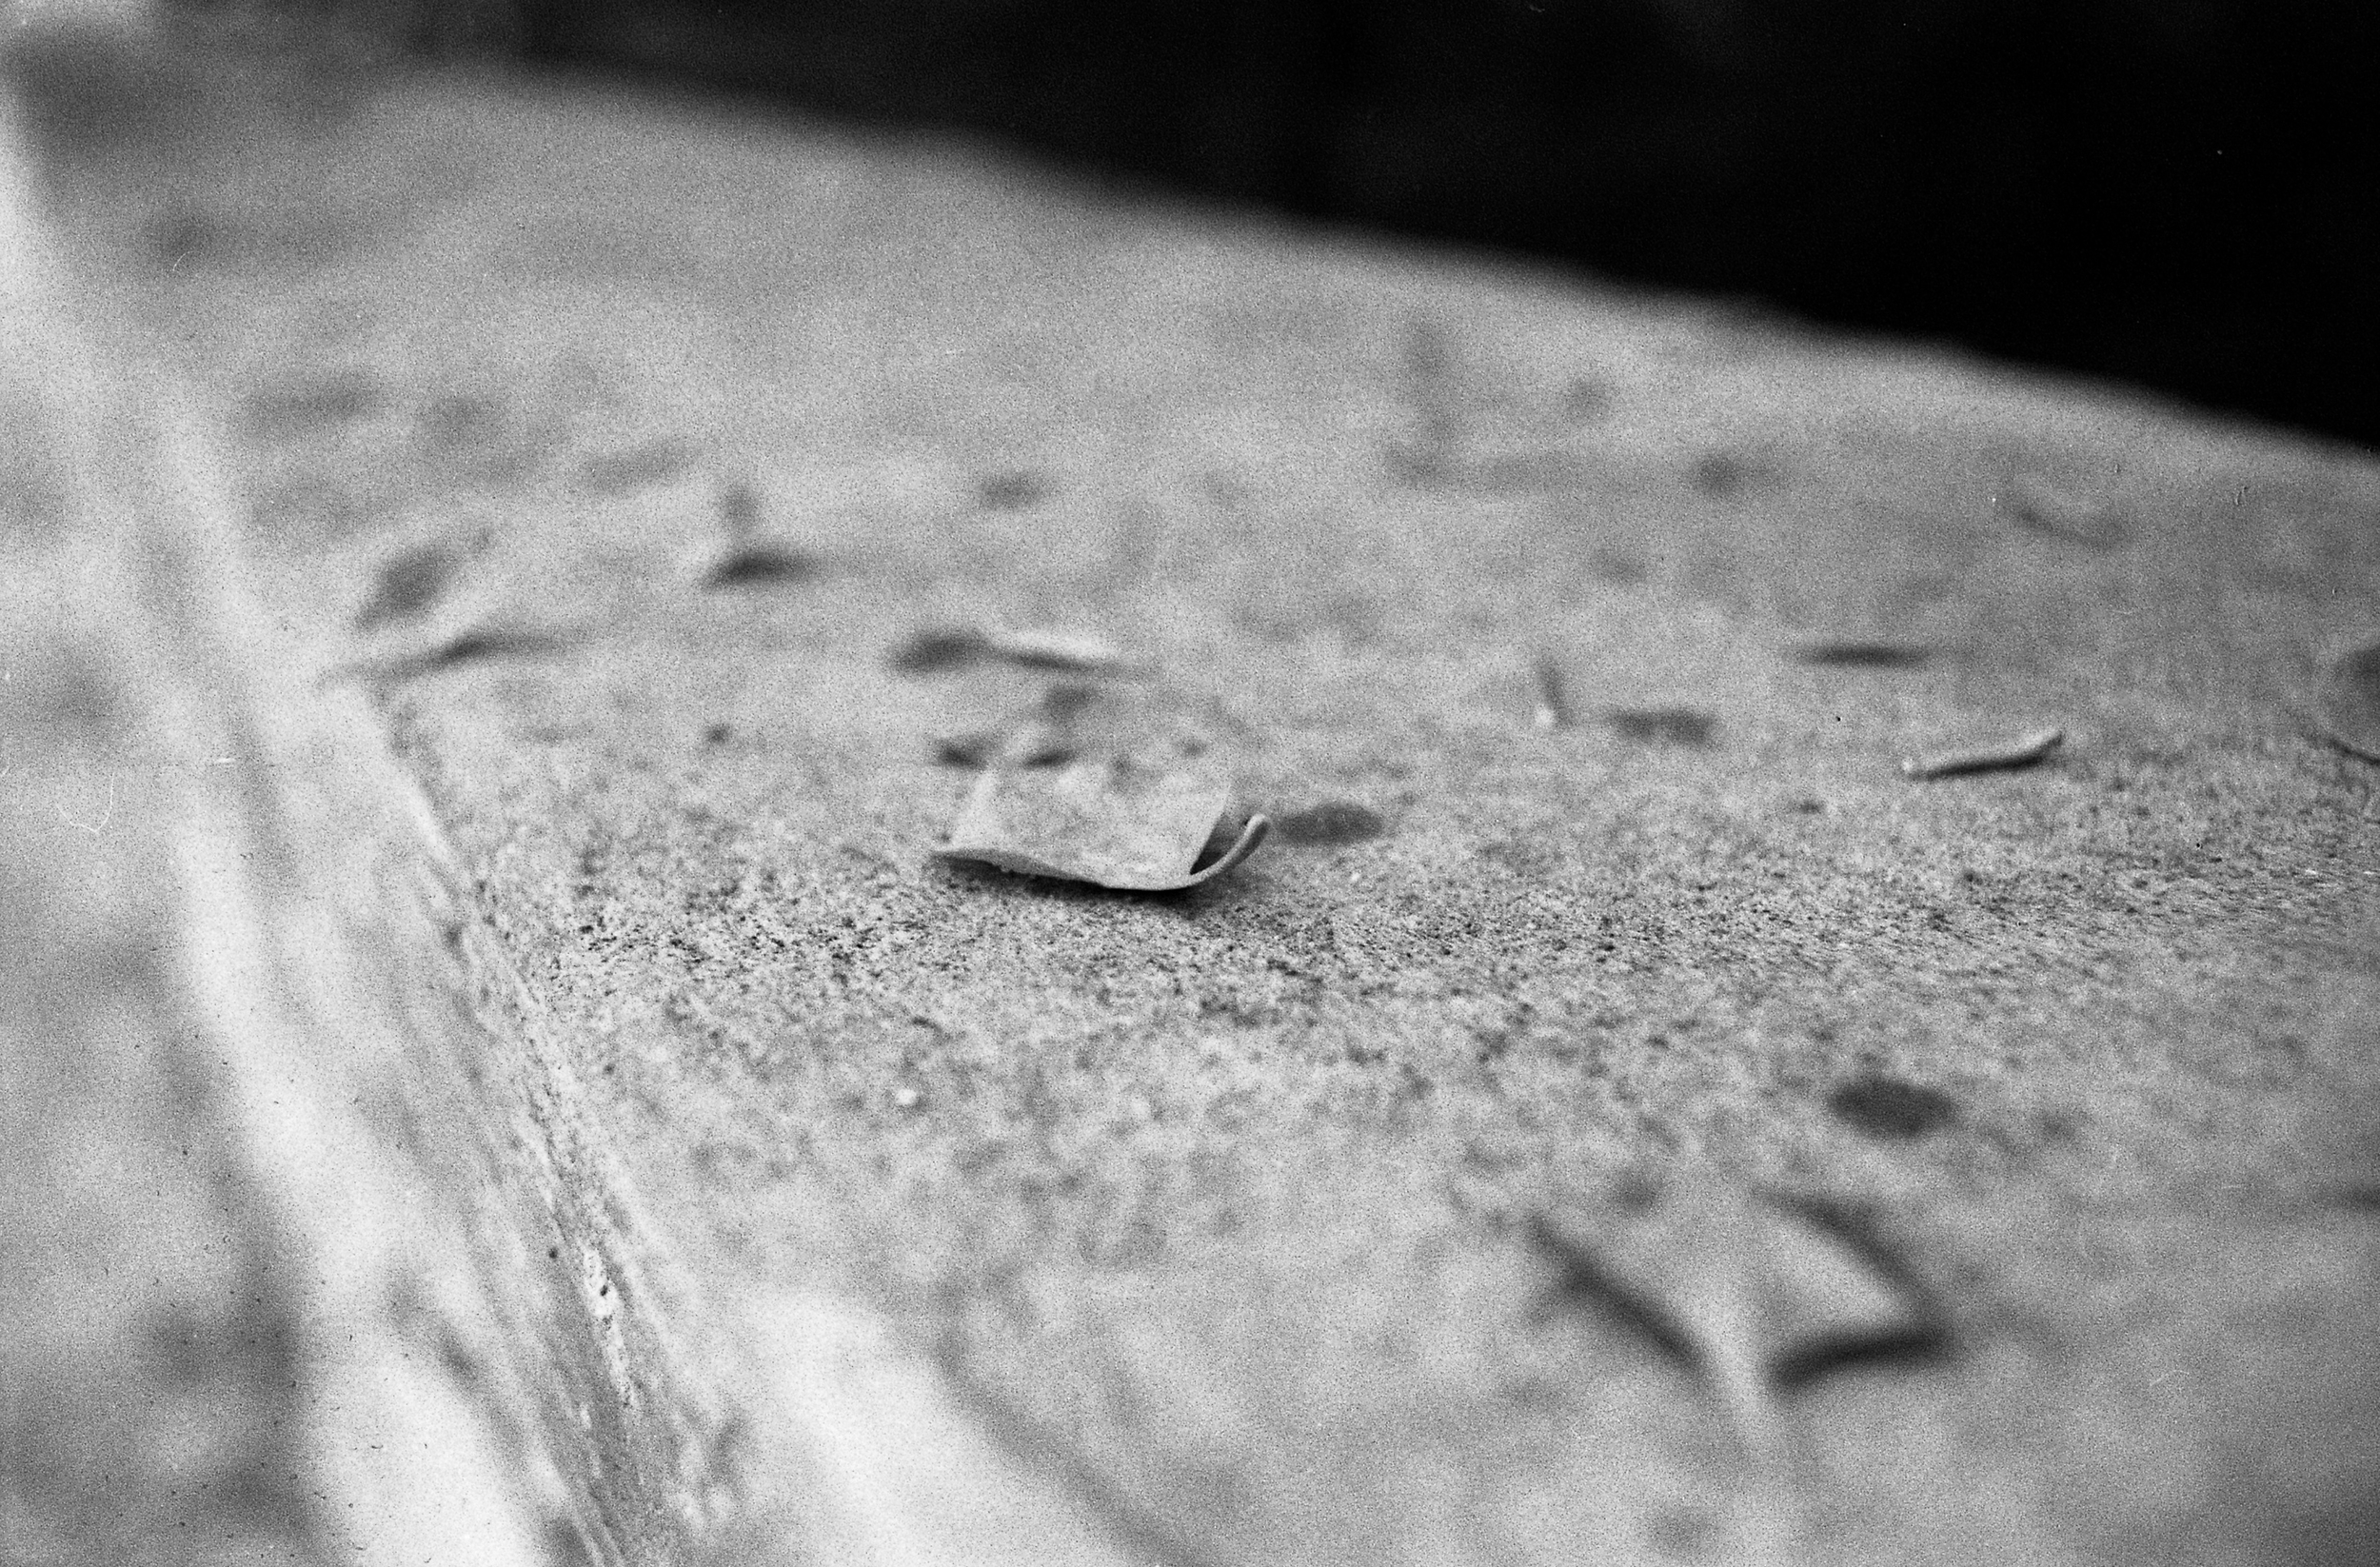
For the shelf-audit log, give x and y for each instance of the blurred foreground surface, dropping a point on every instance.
(618, 451)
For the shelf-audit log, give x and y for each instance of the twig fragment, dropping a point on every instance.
(933, 650)
(2022, 751)
(1075, 652)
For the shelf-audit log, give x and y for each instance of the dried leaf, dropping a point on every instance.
(1759, 1293)
(2019, 751)
(1115, 822)
(2346, 699)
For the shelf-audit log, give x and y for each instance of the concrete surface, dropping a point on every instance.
(1617, 1114)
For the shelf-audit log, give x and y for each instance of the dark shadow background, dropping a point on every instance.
(2169, 192)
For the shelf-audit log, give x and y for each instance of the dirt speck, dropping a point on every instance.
(1720, 474)
(2058, 1125)
(762, 565)
(1622, 566)
(1587, 398)
(1891, 1110)
(482, 647)
(1680, 1534)
(1664, 726)
(1013, 490)
(410, 582)
(455, 421)
(933, 652)
(1862, 655)
(1331, 823)
(739, 508)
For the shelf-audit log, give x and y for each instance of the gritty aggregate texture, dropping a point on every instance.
(1228, 1200)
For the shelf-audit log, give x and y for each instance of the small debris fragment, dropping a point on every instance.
(1623, 566)
(1587, 397)
(1032, 744)
(1552, 710)
(906, 1098)
(2036, 504)
(979, 748)
(1428, 454)
(931, 652)
(1115, 822)
(1332, 821)
(2346, 699)
(449, 422)
(476, 646)
(2355, 1197)
(410, 581)
(471, 646)
(1891, 1110)
(1663, 726)
(1760, 1294)
(1077, 652)
(1862, 655)
(739, 508)
(1069, 701)
(760, 565)
(937, 649)
(2023, 751)
(1720, 474)
(1012, 491)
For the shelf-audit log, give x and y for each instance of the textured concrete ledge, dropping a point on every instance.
(1622, 1112)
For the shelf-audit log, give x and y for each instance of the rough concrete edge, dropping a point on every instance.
(390, 1081)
